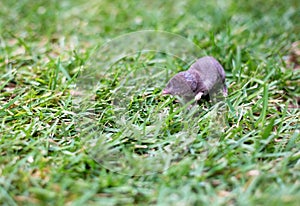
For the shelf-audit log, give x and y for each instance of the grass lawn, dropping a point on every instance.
(149, 150)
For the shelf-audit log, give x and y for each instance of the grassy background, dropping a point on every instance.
(254, 162)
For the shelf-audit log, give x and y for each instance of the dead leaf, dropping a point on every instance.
(293, 59)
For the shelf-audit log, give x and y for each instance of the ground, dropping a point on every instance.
(250, 158)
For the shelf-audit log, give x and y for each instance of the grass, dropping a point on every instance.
(252, 158)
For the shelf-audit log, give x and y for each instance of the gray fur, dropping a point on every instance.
(206, 75)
